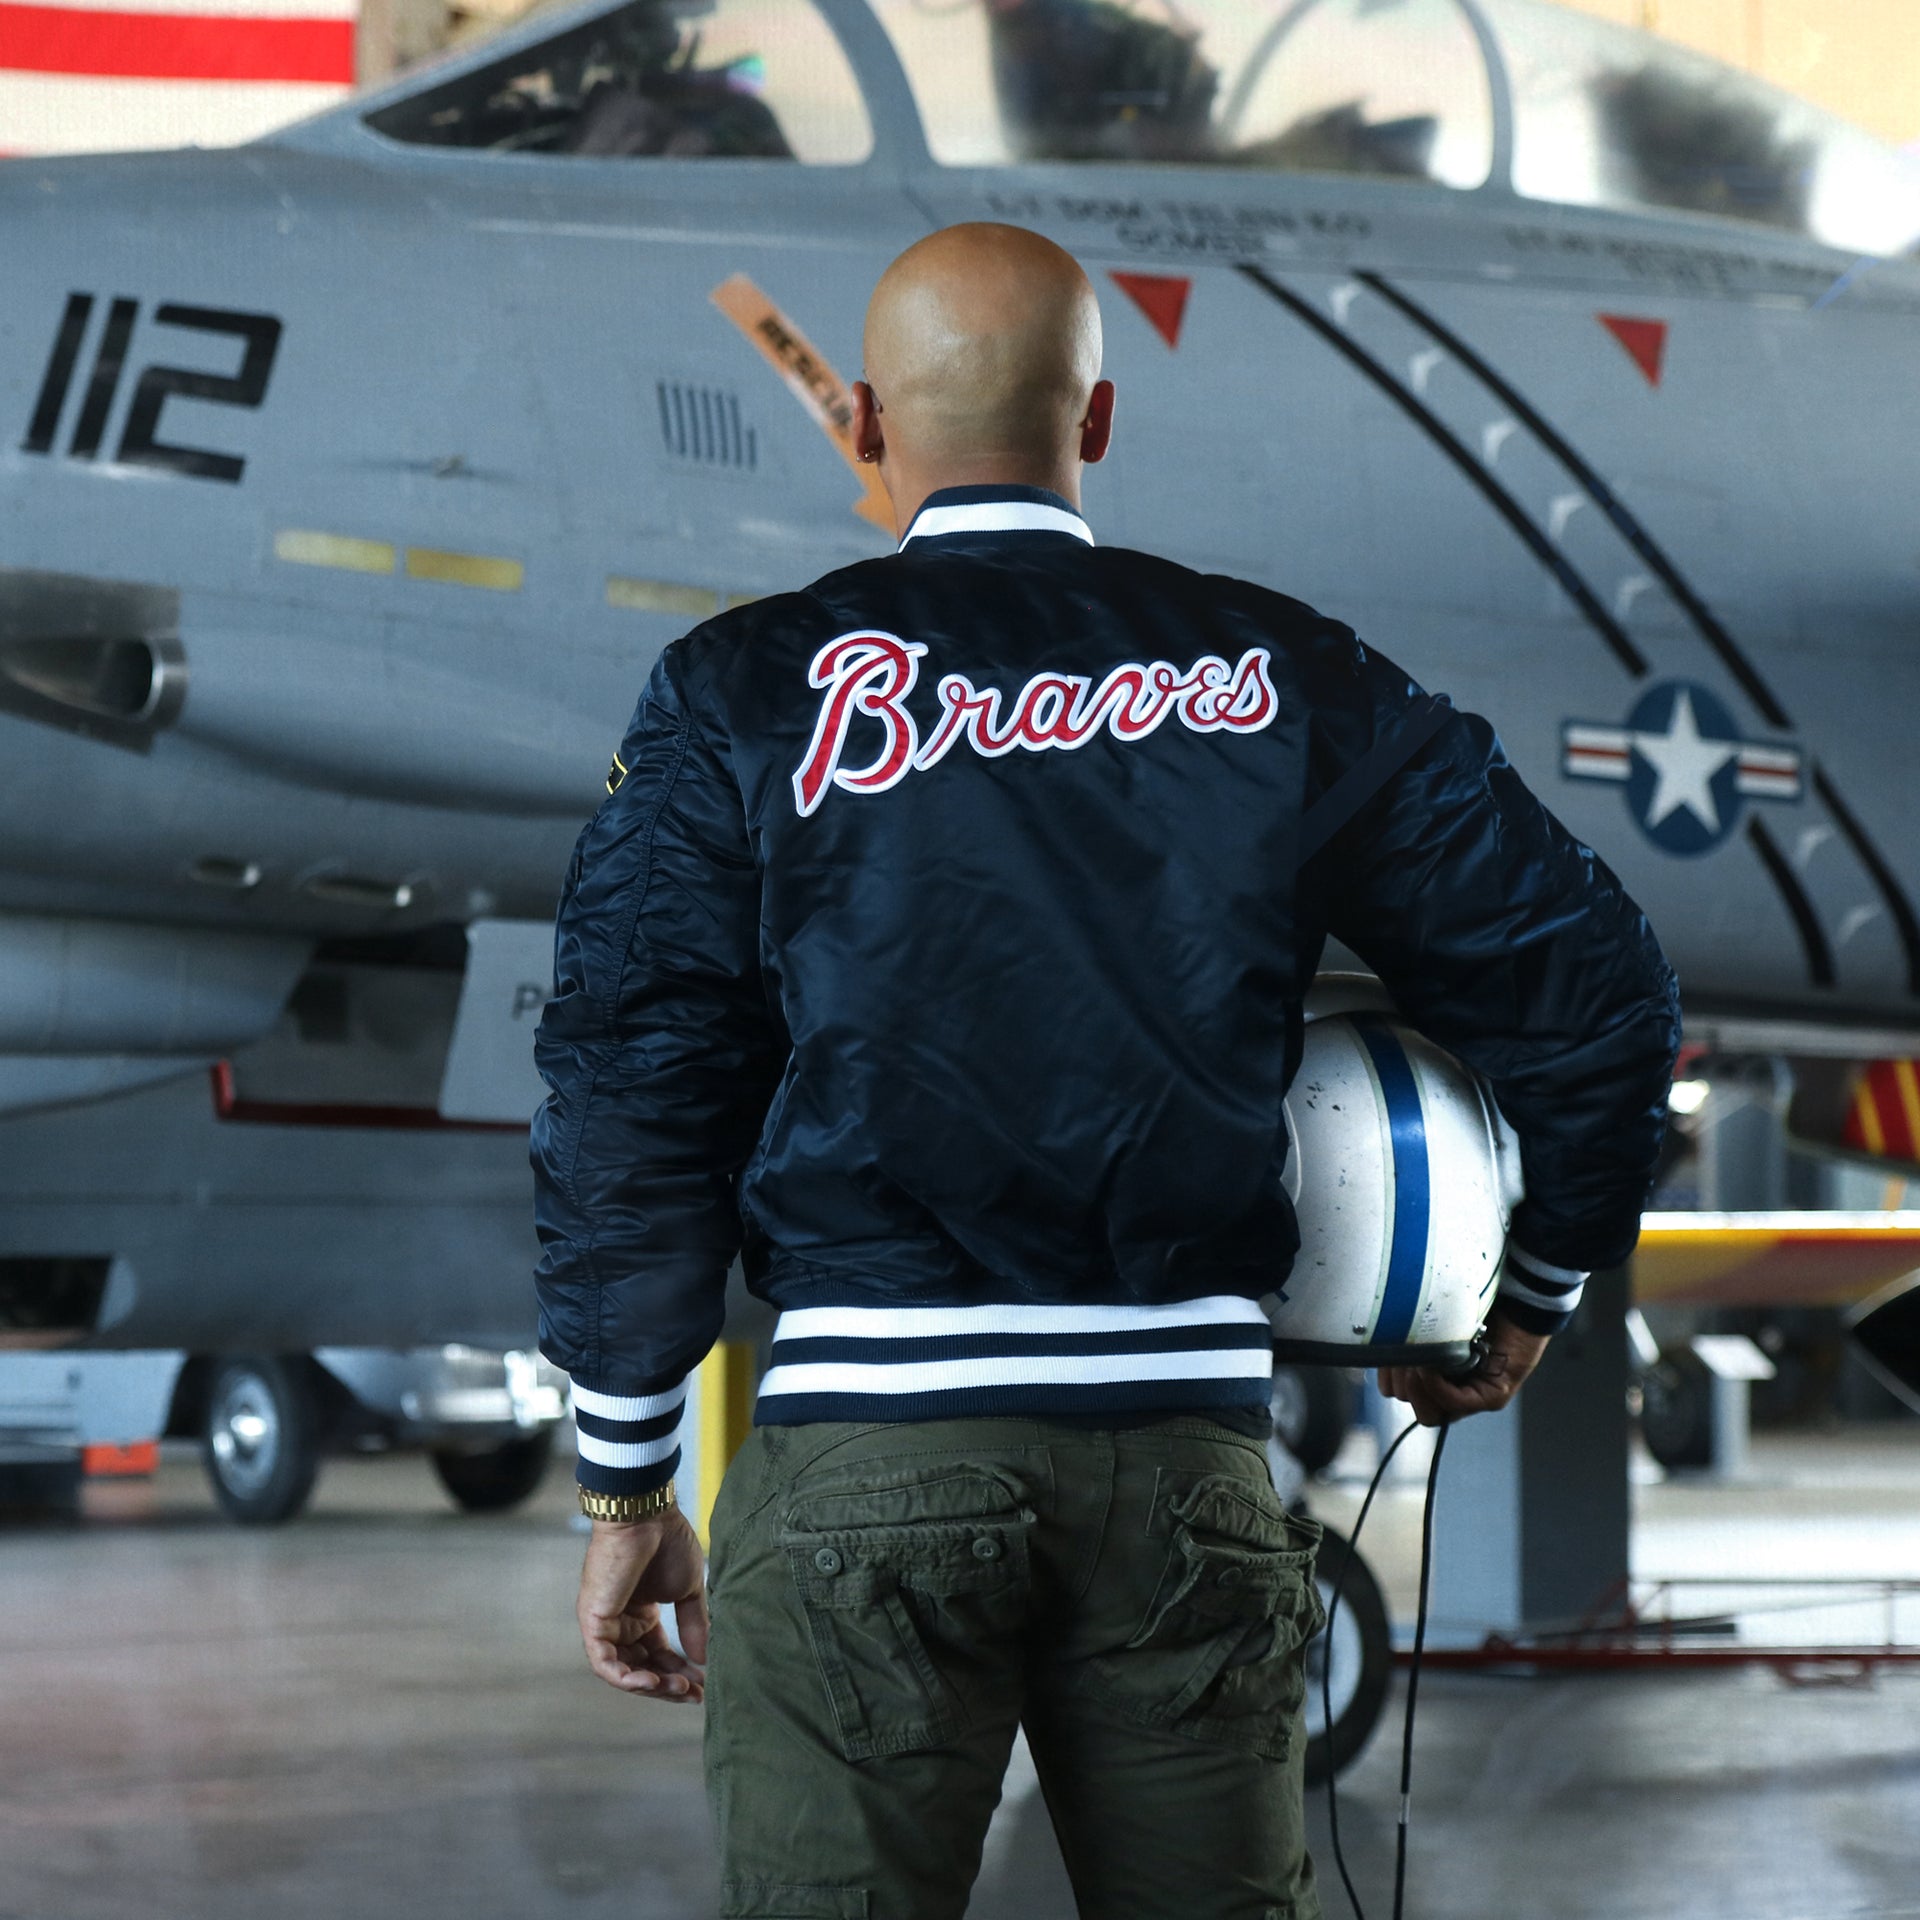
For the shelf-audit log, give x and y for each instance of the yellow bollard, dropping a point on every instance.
(726, 1412)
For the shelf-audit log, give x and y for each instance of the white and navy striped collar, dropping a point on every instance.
(976, 510)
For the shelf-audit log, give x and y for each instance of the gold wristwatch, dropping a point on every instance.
(626, 1506)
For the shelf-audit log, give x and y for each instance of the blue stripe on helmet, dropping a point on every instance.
(1412, 1187)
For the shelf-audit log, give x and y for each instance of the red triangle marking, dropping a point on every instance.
(1162, 297)
(1644, 340)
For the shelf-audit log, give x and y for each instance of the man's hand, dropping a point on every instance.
(1512, 1353)
(633, 1569)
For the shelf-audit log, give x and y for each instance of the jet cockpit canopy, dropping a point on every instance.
(651, 79)
(1505, 96)
(1605, 116)
(1510, 95)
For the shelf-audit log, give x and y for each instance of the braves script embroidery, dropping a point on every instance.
(871, 674)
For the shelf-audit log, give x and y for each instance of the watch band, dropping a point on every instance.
(626, 1506)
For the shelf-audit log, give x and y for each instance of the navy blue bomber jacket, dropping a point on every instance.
(940, 949)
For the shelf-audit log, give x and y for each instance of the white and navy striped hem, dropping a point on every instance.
(628, 1443)
(932, 1363)
(1538, 1296)
(996, 516)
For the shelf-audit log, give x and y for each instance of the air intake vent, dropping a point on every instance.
(96, 657)
(99, 679)
(703, 424)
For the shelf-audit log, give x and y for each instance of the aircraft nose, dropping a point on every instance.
(94, 247)
(89, 595)
(46, 243)
(18, 240)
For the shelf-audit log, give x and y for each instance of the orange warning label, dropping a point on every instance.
(809, 378)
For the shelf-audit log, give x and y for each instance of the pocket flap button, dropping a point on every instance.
(986, 1548)
(827, 1560)
(1229, 1577)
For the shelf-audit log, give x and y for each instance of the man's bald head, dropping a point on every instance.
(983, 346)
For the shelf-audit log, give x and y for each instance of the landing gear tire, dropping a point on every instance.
(1676, 1410)
(1362, 1655)
(261, 1438)
(500, 1478)
(1312, 1410)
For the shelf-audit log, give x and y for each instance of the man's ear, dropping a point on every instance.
(868, 441)
(1096, 430)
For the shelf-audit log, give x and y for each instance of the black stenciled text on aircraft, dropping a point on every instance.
(140, 442)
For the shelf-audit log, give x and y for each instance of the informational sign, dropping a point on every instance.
(490, 1073)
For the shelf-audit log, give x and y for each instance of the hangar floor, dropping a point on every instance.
(380, 1710)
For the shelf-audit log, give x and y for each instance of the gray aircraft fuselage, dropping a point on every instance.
(496, 445)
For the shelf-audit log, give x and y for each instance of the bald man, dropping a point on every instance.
(940, 949)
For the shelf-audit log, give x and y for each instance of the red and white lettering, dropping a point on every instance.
(1047, 713)
(976, 715)
(872, 673)
(1222, 696)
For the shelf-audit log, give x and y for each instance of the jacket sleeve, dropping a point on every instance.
(660, 1052)
(1514, 947)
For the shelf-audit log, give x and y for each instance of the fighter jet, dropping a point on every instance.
(351, 481)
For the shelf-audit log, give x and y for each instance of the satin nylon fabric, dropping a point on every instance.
(1014, 1027)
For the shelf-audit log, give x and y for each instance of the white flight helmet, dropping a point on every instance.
(1403, 1175)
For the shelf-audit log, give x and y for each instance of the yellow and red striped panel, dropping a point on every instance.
(1883, 1117)
(103, 75)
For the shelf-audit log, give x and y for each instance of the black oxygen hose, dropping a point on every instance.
(1413, 1672)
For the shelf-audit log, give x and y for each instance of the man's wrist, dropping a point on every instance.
(623, 1509)
(1514, 1339)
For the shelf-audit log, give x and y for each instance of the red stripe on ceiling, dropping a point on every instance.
(174, 46)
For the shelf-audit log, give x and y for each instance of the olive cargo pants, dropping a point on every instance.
(891, 1602)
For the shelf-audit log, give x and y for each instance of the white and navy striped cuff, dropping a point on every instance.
(629, 1443)
(924, 1363)
(1535, 1295)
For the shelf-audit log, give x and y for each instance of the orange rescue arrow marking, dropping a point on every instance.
(1644, 340)
(809, 379)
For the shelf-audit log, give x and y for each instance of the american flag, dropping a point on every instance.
(99, 75)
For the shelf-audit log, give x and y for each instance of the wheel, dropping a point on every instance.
(501, 1477)
(1312, 1410)
(1676, 1409)
(1362, 1658)
(261, 1438)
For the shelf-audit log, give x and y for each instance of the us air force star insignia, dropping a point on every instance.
(1686, 770)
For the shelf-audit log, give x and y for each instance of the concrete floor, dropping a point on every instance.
(381, 1710)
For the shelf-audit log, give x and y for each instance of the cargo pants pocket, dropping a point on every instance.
(1220, 1652)
(915, 1593)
